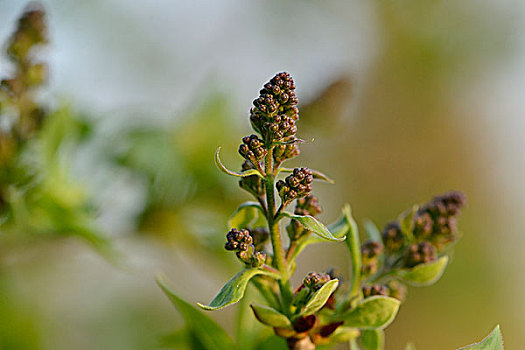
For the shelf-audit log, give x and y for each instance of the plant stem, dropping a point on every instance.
(275, 234)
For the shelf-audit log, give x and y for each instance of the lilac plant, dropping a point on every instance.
(323, 310)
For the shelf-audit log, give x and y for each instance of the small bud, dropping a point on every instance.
(370, 252)
(314, 280)
(420, 253)
(376, 289)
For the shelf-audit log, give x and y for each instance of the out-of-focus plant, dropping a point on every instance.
(323, 310)
(38, 197)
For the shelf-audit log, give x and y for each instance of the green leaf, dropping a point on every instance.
(316, 174)
(494, 341)
(354, 246)
(312, 224)
(233, 290)
(338, 229)
(344, 334)
(424, 274)
(245, 215)
(319, 298)
(270, 317)
(406, 223)
(373, 339)
(372, 231)
(371, 313)
(233, 173)
(207, 331)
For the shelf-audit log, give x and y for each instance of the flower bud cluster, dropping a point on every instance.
(252, 149)
(31, 31)
(393, 238)
(370, 252)
(296, 185)
(242, 242)
(315, 280)
(253, 184)
(17, 90)
(420, 253)
(436, 221)
(274, 112)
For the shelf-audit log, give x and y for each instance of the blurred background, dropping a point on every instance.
(405, 100)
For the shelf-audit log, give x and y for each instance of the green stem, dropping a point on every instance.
(275, 234)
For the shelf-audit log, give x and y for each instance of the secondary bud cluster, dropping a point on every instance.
(315, 280)
(434, 226)
(376, 289)
(296, 185)
(393, 238)
(253, 184)
(436, 221)
(370, 252)
(284, 152)
(274, 112)
(242, 242)
(252, 149)
(421, 253)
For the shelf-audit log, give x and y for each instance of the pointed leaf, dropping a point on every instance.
(406, 223)
(372, 231)
(245, 215)
(270, 317)
(234, 173)
(234, 289)
(494, 341)
(316, 174)
(354, 246)
(373, 339)
(209, 333)
(372, 313)
(424, 274)
(344, 334)
(319, 298)
(410, 346)
(312, 224)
